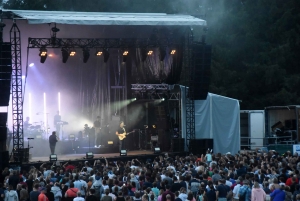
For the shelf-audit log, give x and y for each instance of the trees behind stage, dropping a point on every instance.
(256, 43)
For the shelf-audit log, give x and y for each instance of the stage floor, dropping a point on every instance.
(66, 157)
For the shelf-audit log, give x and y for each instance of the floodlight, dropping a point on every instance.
(125, 55)
(89, 155)
(123, 152)
(150, 52)
(86, 55)
(43, 55)
(156, 150)
(65, 55)
(99, 53)
(172, 51)
(53, 157)
(72, 53)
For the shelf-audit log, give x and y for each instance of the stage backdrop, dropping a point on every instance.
(217, 118)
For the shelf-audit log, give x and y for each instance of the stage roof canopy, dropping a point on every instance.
(102, 18)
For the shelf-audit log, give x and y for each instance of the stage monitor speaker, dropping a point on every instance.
(178, 144)
(200, 74)
(200, 146)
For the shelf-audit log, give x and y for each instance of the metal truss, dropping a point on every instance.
(99, 42)
(188, 81)
(17, 95)
(147, 87)
(155, 91)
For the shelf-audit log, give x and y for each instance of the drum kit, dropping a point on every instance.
(37, 130)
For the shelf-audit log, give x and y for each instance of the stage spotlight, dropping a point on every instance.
(162, 53)
(123, 152)
(163, 99)
(105, 55)
(156, 150)
(53, 157)
(31, 65)
(172, 51)
(86, 55)
(43, 55)
(72, 53)
(99, 53)
(65, 55)
(150, 52)
(89, 155)
(125, 55)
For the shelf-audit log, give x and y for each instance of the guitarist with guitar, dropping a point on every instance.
(121, 133)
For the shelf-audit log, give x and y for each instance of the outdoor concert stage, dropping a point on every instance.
(141, 155)
(66, 157)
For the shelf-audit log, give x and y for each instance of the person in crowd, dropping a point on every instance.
(79, 197)
(11, 194)
(278, 194)
(236, 190)
(106, 197)
(56, 191)
(42, 196)
(257, 194)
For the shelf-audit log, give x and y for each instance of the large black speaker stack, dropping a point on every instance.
(200, 146)
(5, 73)
(5, 82)
(200, 75)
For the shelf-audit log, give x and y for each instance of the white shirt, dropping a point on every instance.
(228, 183)
(112, 196)
(78, 199)
(236, 191)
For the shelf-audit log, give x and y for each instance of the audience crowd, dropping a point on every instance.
(249, 175)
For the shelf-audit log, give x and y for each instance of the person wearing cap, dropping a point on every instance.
(42, 195)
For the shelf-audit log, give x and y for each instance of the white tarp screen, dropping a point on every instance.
(216, 118)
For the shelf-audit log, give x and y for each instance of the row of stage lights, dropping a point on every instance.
(105, 53)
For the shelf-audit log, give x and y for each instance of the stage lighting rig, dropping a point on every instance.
(72, 53)
(172, 51)
(43, 55)
(99, 53)
(125, 55)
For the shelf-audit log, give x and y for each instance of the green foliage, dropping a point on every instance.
(256, 43)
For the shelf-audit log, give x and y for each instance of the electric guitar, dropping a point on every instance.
(123, 136)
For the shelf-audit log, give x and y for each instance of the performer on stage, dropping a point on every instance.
(97, 126)
(121, 133)
(52, 141)
(57, 118)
